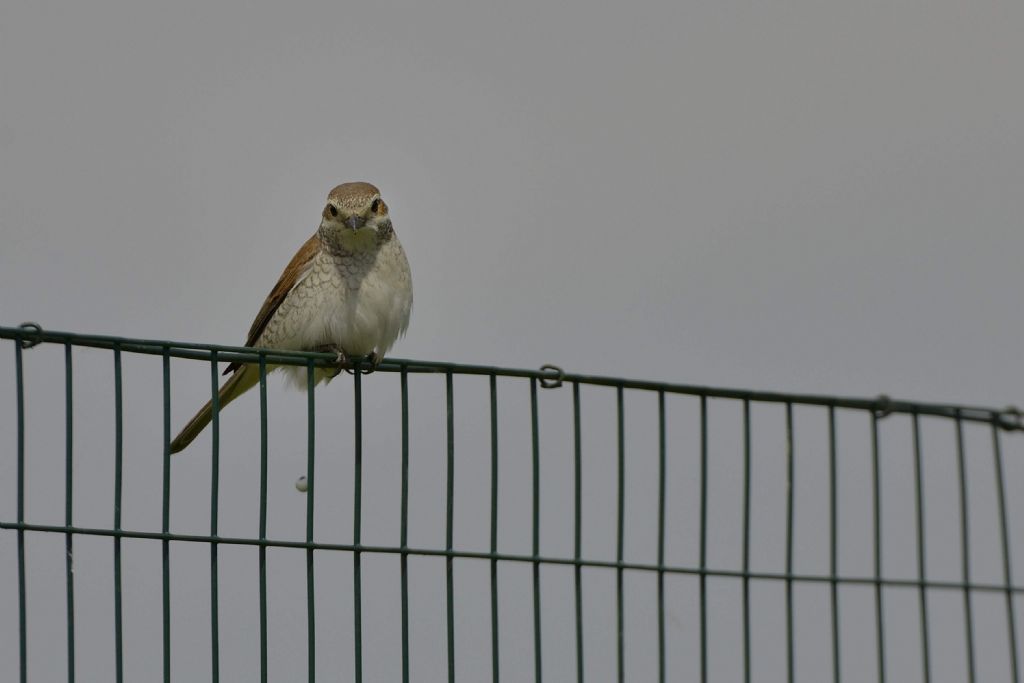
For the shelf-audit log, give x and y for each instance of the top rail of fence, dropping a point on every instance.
(549, 376)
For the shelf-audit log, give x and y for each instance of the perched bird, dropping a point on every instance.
(348, 290)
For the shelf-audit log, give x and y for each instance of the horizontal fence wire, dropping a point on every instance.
(549, 377)
(1010, 419)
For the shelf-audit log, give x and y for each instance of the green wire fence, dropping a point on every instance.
(585, 618)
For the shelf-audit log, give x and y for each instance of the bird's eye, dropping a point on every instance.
(375, 206)
(334, 211)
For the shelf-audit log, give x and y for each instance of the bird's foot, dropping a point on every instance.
(341, 359)
(366, 365)
(344, 362)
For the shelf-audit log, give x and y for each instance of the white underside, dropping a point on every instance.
(360, 303)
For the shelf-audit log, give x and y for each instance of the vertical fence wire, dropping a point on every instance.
(493, 385)
(69, 558)
(165, 524)
(876, 515)
(404, 530)
(922, 591)
(703, 538)
(746, 542)
(790, 669)
(118, 459)
(310, 508)
(450, 520)
(620, 530)
(357, 510)
(535, 444)
(214, 520)
(833, 539)
(577, 525)
(661, 537)
(263, 518)
(1011, 617)
(19, 381)
(965, 549)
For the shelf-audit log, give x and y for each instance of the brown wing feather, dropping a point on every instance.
(292, 273)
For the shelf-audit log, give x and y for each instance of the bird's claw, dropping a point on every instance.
(367, 365)
(341, 359)
(344, 362)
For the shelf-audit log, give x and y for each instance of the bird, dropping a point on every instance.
(348, 290)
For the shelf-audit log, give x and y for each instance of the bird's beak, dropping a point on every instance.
(355, 222)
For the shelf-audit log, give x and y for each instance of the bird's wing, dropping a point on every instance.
(293, 273)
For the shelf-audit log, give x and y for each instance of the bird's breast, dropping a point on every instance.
(359, 302)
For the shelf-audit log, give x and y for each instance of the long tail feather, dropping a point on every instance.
(244, 379)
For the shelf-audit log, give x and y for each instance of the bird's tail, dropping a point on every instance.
(244, 379)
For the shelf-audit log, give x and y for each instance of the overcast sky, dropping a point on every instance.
(793, 195)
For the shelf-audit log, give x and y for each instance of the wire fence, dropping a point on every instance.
(696, 516)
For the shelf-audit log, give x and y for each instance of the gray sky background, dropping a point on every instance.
(799, 196)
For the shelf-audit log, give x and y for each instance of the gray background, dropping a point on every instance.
(802, 196)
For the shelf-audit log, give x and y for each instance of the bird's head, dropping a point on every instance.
(355, 217)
